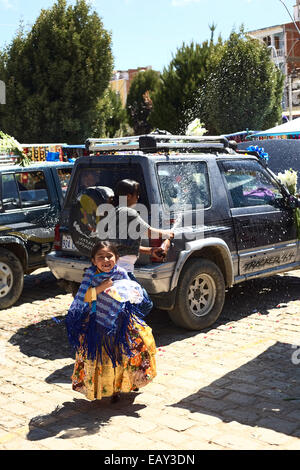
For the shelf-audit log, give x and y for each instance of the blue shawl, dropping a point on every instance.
(105, 323)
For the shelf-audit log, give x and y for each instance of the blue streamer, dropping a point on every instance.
(260, 151)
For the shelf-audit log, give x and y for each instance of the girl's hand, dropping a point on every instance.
(107, 283)
(104, 285)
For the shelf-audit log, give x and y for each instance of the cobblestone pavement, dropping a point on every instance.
(235, 385)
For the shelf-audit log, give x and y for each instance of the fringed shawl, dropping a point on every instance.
(105, 323)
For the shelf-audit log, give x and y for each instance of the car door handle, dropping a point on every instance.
(245, 222)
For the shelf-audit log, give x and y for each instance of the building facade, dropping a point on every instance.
(284, 43)
(122, 79)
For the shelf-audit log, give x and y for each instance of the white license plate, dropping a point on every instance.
(67, 243)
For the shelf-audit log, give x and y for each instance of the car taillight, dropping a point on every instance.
(57, 242)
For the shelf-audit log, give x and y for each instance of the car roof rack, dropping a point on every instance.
(153, 143)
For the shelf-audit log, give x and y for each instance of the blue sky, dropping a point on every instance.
(148, 32)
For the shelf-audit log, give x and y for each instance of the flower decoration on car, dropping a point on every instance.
(289, 180)
(11, 146)
(196, 128)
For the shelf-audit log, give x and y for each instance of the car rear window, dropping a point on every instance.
(109, 175)
(184, 183)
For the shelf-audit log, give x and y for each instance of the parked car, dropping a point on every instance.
(240, 220)
(284, 154)
(31, 199)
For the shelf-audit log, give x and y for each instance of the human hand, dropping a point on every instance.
(104, 285)
(158, 254)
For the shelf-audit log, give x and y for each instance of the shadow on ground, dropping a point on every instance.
(48, 339)
(40, 285)
(81, 418)
(61, 376)
(242, 300)
(264, 392)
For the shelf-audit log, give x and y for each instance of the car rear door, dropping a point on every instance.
(30, 210)
(265, 228)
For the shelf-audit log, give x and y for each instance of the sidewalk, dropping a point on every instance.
(233, 386)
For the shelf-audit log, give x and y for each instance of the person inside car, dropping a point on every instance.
(88, 179)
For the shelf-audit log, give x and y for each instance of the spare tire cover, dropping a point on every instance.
(83, 218)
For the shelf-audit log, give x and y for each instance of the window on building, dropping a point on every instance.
(267, 40)
(277, 42)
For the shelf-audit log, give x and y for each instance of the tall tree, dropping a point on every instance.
(244, 89)
(110, 117)
(139, 103)
(55, 75)
(178, 101)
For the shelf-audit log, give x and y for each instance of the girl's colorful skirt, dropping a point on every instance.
(97, 380)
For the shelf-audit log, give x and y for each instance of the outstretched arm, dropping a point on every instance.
(159, 252)
(168, 234)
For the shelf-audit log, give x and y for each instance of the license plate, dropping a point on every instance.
(67, 243)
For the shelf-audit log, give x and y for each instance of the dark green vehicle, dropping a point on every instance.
(31, 199)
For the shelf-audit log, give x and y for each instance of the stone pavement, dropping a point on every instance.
(233, 386)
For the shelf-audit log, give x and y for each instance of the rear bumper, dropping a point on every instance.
(155, 278)
(69, 269)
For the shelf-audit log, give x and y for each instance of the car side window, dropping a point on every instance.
(184, 183)
(64, 175)
(10, 193)
(32, 188)
(249, 184)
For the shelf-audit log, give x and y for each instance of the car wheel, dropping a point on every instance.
(11, 278)
(200, 295)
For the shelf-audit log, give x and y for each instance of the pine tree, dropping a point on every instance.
(55, 75)
(110, 117)
(179, 98)
(244, 89)
(139, 103)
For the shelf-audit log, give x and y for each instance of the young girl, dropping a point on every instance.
(115, 349)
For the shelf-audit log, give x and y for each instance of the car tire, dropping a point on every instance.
(11, 278)
(200, 295)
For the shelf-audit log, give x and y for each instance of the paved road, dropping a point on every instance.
(235, 385)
